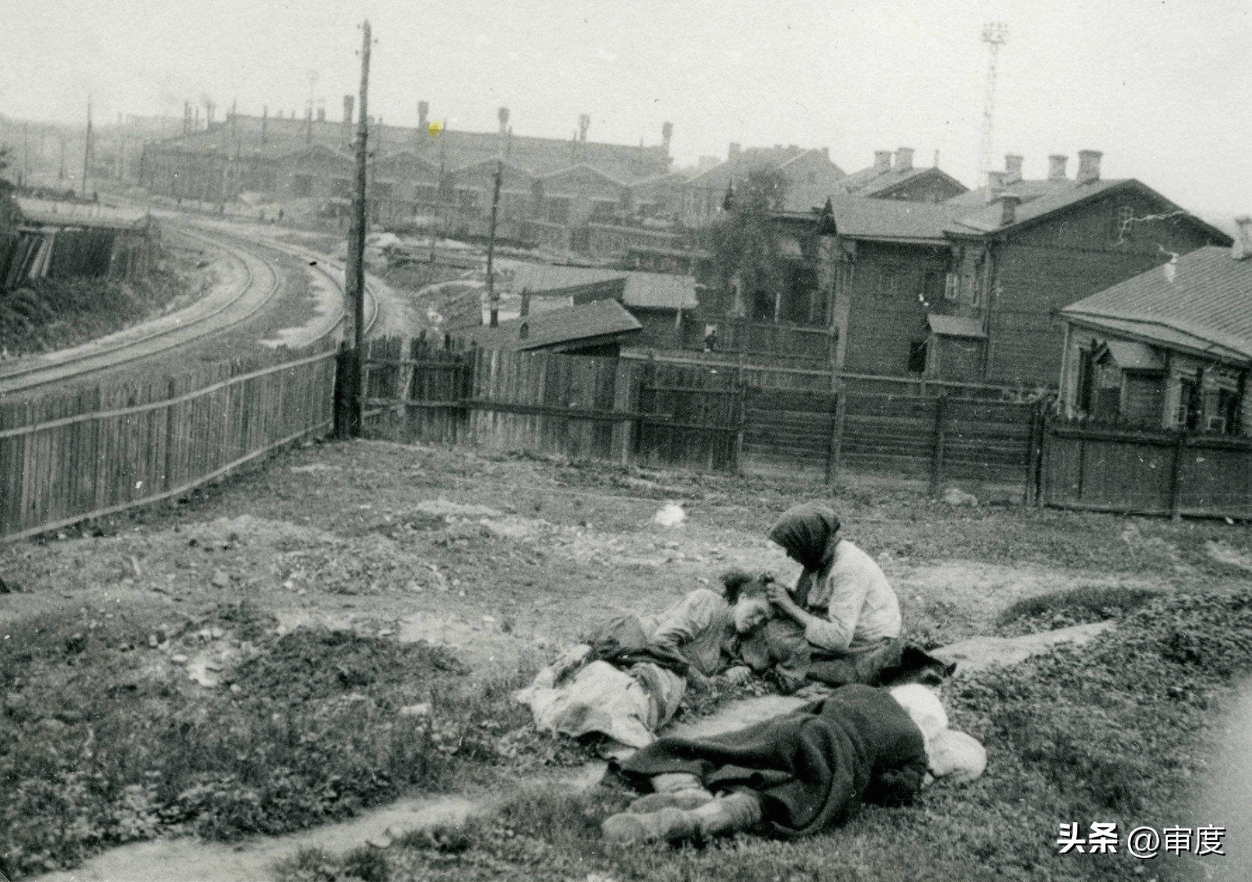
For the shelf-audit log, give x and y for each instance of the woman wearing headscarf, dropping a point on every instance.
(842, 601)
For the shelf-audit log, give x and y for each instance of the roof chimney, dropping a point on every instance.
(503, 115)
(1012, 168)
(321, 114)
(667, 135)
(584, 123)
(1056, 166)
(265, 123)
(1089, 166)
(882, 161)
(1008, 208)
(1242, 249)
(904, 159)
(995, 185)
(423, 114)
(346, 134)
(734, 151)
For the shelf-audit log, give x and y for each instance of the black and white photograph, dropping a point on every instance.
(626, 441)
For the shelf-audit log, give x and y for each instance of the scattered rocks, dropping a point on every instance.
(416, 710)
(179, 659)
(75, 644)
(220, 579)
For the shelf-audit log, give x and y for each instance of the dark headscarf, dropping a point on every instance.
(805, 532)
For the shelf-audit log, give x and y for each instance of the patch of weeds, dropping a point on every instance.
(108, 742)
(1088, 603)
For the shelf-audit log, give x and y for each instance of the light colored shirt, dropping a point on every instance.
(855, 601)
(695, 627)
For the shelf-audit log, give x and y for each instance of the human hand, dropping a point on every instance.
(779, 595)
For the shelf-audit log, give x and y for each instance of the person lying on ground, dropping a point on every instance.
(842, 601)
(630, 677)
(799, 773)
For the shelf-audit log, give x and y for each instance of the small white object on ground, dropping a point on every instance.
(956, 496)
(671, 514)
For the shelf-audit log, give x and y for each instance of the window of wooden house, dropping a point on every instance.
(888, 282)
(934, 286)
(762, 305)
(1085, 389)
(602, 211)
(799, 303)
(301, 186)
(558, 210)
(917, 356)
(951, 286)
(1225, 417)
(1123, 231)
(1190, 403)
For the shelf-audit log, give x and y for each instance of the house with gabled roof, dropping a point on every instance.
(899, 178)
(969, 289)
(808, 169)
(1168, 348)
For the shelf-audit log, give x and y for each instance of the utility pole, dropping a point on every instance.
(493, 299)
(87, 148)
(354, 282)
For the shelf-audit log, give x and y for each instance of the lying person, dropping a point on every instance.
(842, 601)
(630, 677)
(797, 774)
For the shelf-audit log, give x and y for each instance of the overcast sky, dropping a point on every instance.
(1161, 86)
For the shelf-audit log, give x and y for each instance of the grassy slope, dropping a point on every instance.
(1112, 732)
(115, 697)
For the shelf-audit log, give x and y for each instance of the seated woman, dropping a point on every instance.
(630, 677)
(843, 603)
(797, 774)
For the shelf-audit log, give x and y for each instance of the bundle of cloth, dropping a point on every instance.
(798, 773)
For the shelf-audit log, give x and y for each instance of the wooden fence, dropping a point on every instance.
(709, 416)
(1145, 472)
(69, 456)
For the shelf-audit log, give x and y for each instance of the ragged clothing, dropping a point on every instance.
(841, 585)
(630, 678)
(809, 768)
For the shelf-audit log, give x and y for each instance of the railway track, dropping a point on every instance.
(261, 283)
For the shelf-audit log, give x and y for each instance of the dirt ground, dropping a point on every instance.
(506, 558)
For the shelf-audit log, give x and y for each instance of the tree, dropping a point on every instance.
(745, 243)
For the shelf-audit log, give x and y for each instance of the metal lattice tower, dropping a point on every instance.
(994, 34)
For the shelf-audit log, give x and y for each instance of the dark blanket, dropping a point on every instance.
(810, 767)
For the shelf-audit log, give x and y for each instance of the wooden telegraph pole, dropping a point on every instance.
(492, 297)
(355, 271)
(87, 149)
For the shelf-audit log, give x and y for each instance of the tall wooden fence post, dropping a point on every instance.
(1030, 492)
(343, 391)
(1043, 439)
(1175, 469)
(838, 416)
(741, 419)
(937, 456)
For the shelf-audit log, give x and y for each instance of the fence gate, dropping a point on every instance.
(690, 417)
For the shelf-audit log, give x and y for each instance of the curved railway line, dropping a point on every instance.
(262, 283)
